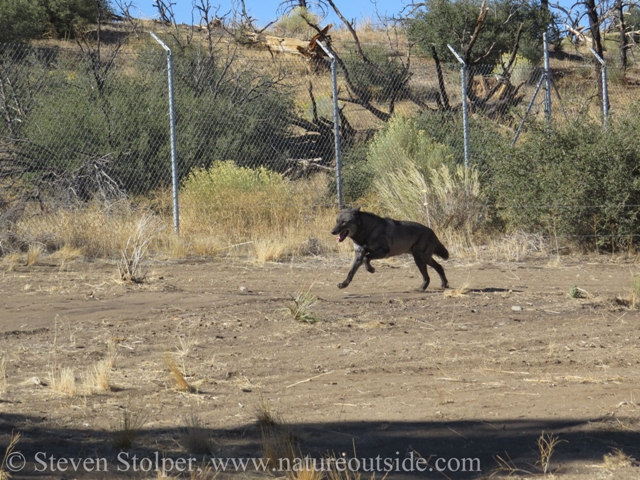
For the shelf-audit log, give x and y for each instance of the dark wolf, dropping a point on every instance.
(375, 237)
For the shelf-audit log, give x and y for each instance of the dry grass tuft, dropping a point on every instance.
(33, 254)
(195, 438)
(265, 417)
(177, 375)
(63, 380)
(13, 441)
(130, 265)
(457, 292)
(131, 422)
(187, 343)
(99, 380)
(67, 253)
(618, 459)
(278, 441)
(300, 307)
(11, 261)
(278, 445)
(631, 300)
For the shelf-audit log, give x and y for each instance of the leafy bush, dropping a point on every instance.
(293, 23)
(402, 142)
(486, 138)
(20, 20)
(580, 181)
(445, 22)
(380, 83)
(226, 194)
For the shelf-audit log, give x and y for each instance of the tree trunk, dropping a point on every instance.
(623, 38)
(596, 41)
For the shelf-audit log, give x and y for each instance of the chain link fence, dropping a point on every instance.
(89, 125)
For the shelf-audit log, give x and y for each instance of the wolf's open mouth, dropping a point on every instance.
(342, 235)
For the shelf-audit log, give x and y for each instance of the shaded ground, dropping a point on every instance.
(395, 372)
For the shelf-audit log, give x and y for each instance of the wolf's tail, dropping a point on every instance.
(441, 251)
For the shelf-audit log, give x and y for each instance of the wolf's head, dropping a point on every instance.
(347, 223)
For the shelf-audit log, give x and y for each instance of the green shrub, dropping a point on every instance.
(402, 143)
(578, 181)
(20, 20)
(226, 194)
(293, 23)
(380, 83)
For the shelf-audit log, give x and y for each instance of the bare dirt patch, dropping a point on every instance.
(479, 372)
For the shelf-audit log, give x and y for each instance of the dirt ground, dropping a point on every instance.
(390, 371)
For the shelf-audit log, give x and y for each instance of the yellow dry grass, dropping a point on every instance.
(63, 380)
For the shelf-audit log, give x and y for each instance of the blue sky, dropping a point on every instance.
(267, 10)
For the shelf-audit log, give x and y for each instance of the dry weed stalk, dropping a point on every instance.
(13, 441)
(546, 447)
(194, 436)
(129, 267)
(177, 375)
(507, 466)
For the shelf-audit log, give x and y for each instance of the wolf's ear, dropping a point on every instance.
(357, 209)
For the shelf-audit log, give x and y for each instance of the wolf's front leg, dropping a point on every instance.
(359, 258)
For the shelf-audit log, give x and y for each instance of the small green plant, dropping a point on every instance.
(577, 292)
(300, 307)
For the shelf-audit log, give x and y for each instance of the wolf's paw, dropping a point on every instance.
(370, 269)
(343, 285)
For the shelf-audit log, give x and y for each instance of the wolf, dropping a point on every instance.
(375, 237)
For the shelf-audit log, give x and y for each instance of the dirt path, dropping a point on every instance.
(386, 368)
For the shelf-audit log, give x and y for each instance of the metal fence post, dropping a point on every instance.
(336, 122)
(605, 89)
(172, 130)
(547, 74)
(465, 110)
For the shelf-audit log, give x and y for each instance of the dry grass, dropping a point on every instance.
(99, 379)
(278, 441)
(300, 306)
(33, 254)
(67, 253)
(130, 265)
(131, 422)
(3, 374)
(11, 261)
(195, 438)
(13, 441)
(265, 417)
(457, 292)
(63, 380)
(618, 459)
(546, 448)
(177, 375)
